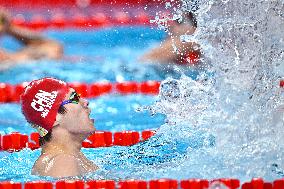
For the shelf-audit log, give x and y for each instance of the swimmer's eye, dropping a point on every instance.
(74, 98)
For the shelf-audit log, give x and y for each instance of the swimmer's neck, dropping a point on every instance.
(65, 144)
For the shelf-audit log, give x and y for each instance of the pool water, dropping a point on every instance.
(106, 54)
(100, 55)
(218, 125)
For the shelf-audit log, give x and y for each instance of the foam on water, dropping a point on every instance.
(240, 104)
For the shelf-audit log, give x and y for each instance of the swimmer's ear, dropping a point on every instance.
(42, 131)
(58, 119)
(62, 110)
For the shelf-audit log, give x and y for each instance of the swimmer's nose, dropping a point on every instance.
(85, 102)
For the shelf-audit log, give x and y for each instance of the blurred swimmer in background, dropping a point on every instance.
(35, 46)
(186, 53)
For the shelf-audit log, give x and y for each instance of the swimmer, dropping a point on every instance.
(165, 52)
(62, 120)
(35, 46)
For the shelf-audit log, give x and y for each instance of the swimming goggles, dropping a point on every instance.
(74, 98)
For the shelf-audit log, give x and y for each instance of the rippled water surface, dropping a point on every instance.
(227, 122)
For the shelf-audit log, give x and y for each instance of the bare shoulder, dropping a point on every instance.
(65, 159)
(61, 165)
(64, 166)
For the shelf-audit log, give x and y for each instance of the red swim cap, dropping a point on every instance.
(41, 100)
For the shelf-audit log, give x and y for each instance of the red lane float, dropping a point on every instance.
(37, 22)
(15, 142)
(70, 184)
(163, 184)
(17, 91)
(281, 83)
(60, 21)
(150, 87)
(147, 134)
(132, 184)
(121, 18)
(10, 185)
(5, 92)
(38, 185)
(98, 89)
(34, 141)
(11, 93)
(278, 184)
(230, 183)
(80, 88)
(100, 184)
(99, 20)
(142, 18)
(194, 184)
(257, 183)
(126, 138)
(32, 4)
(127, 87)
(98, 139)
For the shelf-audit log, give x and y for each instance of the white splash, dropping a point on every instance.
(240, 103)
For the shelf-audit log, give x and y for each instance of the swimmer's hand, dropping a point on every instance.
(5, 20)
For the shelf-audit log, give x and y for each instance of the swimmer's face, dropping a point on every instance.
(183, 26)
(181, 29)
(76, 119)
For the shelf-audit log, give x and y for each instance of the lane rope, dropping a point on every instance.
(78, 20)
(11, 93)
(28, 4)
(15, 142)
(230, 183)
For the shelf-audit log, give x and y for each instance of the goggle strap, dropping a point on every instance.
(65, 102)
(71, 101)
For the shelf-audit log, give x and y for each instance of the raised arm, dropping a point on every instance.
(162, 54)
(35, 45)
(25, 35)
(173, 50)
(169, 51)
